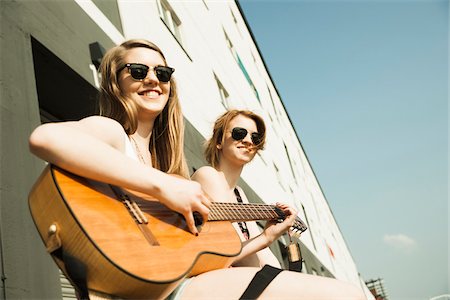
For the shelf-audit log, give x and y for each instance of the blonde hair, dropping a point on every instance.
(166, 144)
(212, 153)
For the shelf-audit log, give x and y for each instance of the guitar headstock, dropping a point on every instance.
(298, 227)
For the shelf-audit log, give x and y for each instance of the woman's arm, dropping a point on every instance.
(260, 242)
(264, 256)
(94, 148)
(215, 185)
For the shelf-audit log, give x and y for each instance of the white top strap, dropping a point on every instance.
(129, 151)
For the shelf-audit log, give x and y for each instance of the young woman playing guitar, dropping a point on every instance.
(136, 141)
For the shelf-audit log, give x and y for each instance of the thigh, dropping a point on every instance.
(231, 283)
(227, 283)
(295, 285)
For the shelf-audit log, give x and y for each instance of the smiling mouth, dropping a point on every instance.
(150, 94)
(249, 149)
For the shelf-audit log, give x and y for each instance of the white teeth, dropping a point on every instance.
(151, 93)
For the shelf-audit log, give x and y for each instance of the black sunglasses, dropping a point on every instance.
(239, 133)
(140, 71)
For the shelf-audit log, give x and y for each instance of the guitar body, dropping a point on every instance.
(95, 229)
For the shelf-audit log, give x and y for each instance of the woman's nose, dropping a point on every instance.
(247, 138)
(151, 76)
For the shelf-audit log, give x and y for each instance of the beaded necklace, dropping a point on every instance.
(138, 150)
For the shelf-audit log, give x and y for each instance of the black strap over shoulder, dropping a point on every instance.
(242, 225)
(259, 282)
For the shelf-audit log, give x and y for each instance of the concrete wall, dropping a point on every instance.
(60, 26)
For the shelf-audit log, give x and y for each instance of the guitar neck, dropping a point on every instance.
(237, 212)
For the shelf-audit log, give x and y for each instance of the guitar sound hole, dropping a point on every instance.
(198, 219)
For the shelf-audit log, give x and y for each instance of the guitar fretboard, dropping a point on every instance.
(221, 211)
(238, 212)
(235, 212)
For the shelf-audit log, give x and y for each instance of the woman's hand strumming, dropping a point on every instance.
(186, 197)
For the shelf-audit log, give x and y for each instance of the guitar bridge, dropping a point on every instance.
(134, 209)
(131, 205)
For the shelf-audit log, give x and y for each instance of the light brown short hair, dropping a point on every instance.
(212, 152)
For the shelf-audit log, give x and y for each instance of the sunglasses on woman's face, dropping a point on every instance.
(140, 71)
(239, 133)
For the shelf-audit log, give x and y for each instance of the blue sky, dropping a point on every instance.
(365, 84)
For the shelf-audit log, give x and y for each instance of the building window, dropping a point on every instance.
(280, 180)
(206, 5)
(170, 18)
(257, 66)
(111, 11)
(249, 80)
(224, 96)
(232, 15)
(309, 226)
(290, 162)
(235, 22)
(230, 46)
(241, 65)
(273, 103)
(262, 157)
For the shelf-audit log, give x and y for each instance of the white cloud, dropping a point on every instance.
(399, 241)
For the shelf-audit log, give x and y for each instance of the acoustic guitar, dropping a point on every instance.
(129, 244)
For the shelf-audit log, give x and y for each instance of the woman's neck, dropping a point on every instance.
(141, 140)
(231, 173)
(143, 132)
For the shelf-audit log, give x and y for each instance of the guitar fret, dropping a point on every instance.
(218, 211)
(266, 212)
(241, 212)
(226, 211)
(232, 212)
(213, 216)
(244, 212)
(258, 211)
(221, 213)
(248, 213)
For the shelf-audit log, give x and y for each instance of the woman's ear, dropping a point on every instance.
(219, 146)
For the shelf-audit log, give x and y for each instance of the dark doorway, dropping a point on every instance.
(62, 93)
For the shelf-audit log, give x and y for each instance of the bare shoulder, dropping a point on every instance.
(207, 175)
(99, 123)
(213, 183)
(103, 128)
(205, 172)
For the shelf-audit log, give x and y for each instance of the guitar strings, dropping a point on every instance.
(242, 211)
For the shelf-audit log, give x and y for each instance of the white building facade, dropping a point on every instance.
(48, 74)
